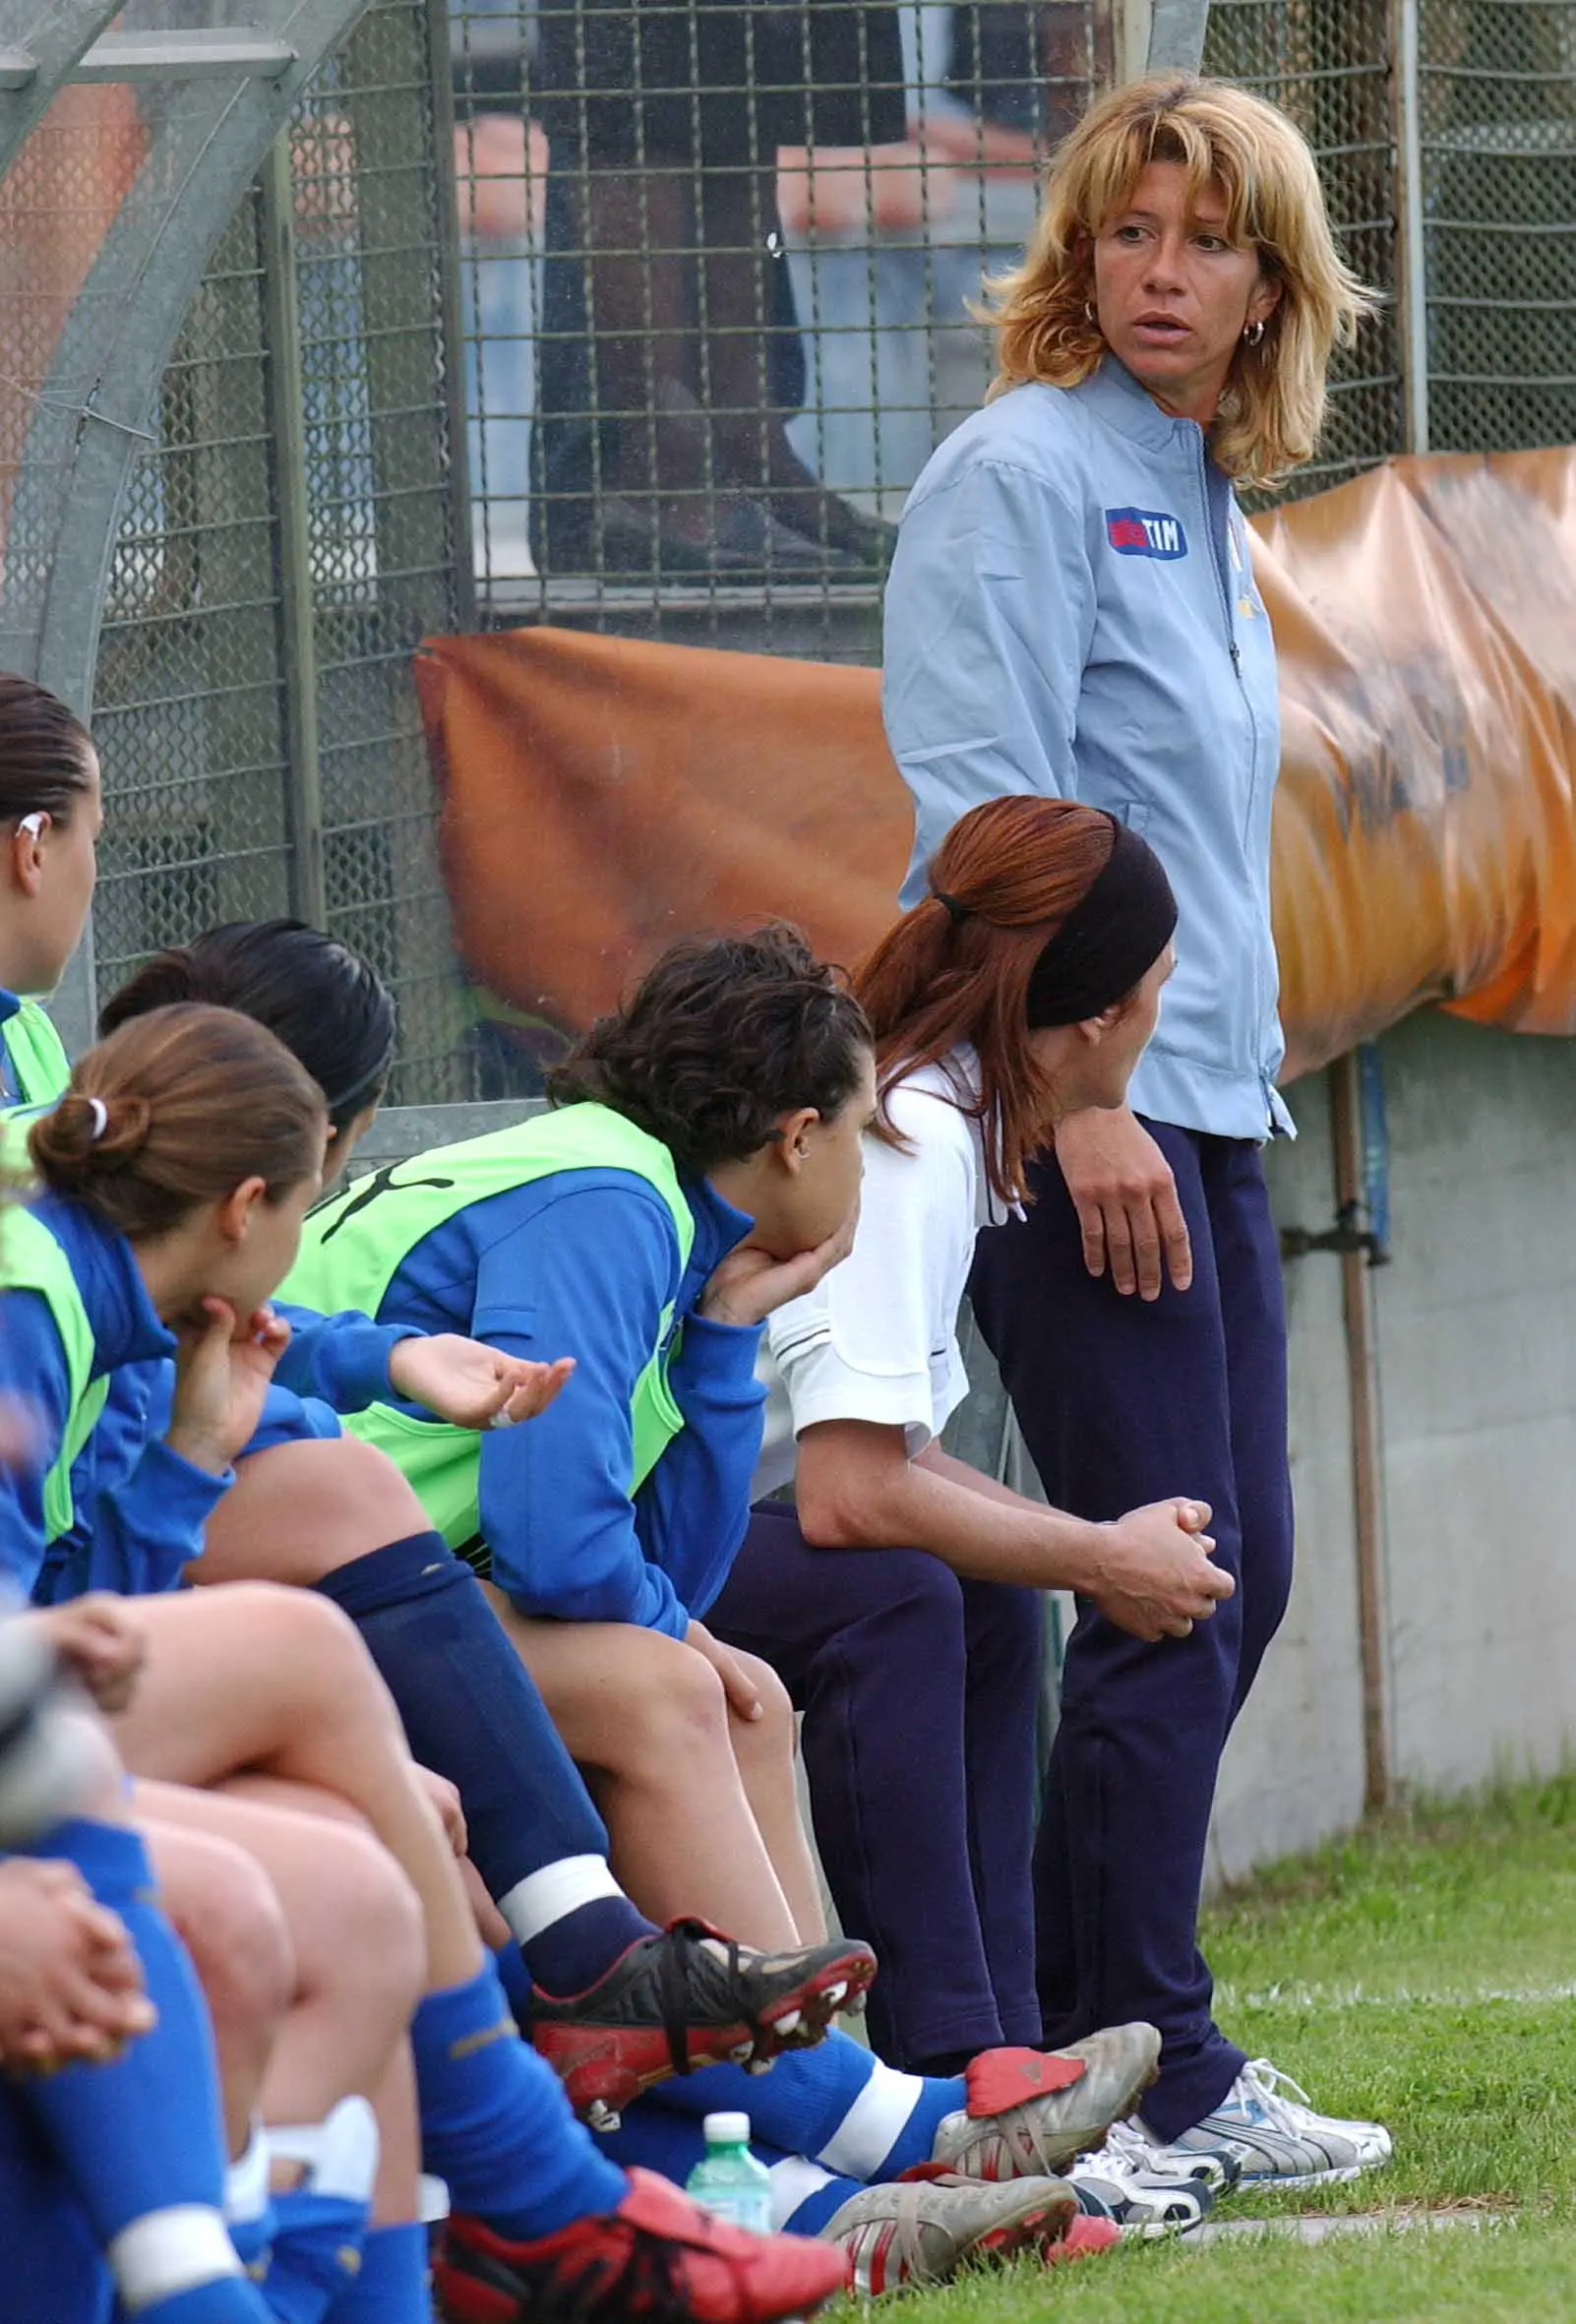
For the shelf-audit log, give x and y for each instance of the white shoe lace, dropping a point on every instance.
(1286, 2105)
(1129, 2144)
(1109, 2161)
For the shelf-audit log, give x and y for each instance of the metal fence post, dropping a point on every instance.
(299, 655)
(1177, 30)
(1411, 260)
(446, 191)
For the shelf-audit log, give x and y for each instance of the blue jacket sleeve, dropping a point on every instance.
(343, 1360)
(989, 619)
(139, 1508)
(587, 1275)
(146, 1528)
(33, 1379)
(692, 1509)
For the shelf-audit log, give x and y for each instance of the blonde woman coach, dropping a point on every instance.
(1072, 611)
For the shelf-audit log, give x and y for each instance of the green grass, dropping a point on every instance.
(1424, 1973)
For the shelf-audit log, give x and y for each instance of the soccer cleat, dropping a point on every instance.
(1279, 2141)
(922, 2228)
(1087, 2236)
(691, 1998)
(1030, 2111)
(1143, 2207)
(658, 2259)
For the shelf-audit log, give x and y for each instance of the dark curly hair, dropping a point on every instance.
(722, 1037)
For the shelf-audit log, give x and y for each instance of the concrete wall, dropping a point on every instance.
(1476, 1342)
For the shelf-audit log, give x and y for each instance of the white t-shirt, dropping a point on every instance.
(876, 1339)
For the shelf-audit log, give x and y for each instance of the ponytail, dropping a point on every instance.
(173, 1111)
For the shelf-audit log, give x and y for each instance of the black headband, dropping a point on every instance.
(1109, 941)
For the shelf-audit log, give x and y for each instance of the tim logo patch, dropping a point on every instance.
(1146, 533)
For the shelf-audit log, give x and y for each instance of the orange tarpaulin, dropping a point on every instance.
(600, 796)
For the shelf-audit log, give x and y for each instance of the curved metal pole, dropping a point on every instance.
(209, 138)
(1177, 31)
(49, 36)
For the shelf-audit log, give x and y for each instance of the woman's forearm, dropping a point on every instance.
(857, 1489)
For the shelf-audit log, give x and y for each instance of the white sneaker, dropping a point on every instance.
(1144, 2205)
(1216, 2168)
(1266, 2121)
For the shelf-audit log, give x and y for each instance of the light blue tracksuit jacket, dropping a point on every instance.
(1072, 610)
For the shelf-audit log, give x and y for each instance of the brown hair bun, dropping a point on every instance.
(175, 1110)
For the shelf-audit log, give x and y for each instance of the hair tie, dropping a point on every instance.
(950, 905)
(100, 1113)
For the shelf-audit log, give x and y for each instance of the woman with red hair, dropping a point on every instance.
(897, 1601)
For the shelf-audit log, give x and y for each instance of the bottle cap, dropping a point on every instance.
(727, 2130)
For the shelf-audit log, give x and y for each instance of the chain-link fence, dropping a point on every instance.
(1328, 62)
(644, 314)
(287, 541)
(1497, 131)
(717, 264)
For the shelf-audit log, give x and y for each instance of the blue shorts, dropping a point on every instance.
(289, 1419)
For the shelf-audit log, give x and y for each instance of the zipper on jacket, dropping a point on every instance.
(1217, 551)
(1222, 584)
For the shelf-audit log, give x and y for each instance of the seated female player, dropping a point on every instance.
(899, 1601)
(701, 1166)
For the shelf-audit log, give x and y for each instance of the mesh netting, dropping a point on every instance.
(691, 289)
(191, 713)
(1327, 62)
(716, 265)
(1498, 136)
(266, 550)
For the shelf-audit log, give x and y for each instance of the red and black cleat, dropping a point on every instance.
(655, 2260)
(691, 1998)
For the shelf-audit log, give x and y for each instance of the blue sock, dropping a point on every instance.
(472, 1710)
(573, 1952)
(142, 2135)
(836, 2104)
(52, 2265)
(314, 2254)
(319, 2225)
(653, 2138)
(393, 2286)
(515, 1980)
(226, 2300)
(494, 2122)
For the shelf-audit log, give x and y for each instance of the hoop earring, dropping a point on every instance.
(1089, 313)
(1252, 332)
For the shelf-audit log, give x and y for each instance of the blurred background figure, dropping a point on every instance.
(671, 361)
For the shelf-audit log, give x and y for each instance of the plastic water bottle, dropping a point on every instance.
(730, 2182)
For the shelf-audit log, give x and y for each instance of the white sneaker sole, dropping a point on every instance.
(1270, 2182)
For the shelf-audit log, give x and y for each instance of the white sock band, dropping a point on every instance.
(874, 2123)
(246, 2182)
(168, 2251)
(557, 1890)
(341, 2152)
(794, 2181)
